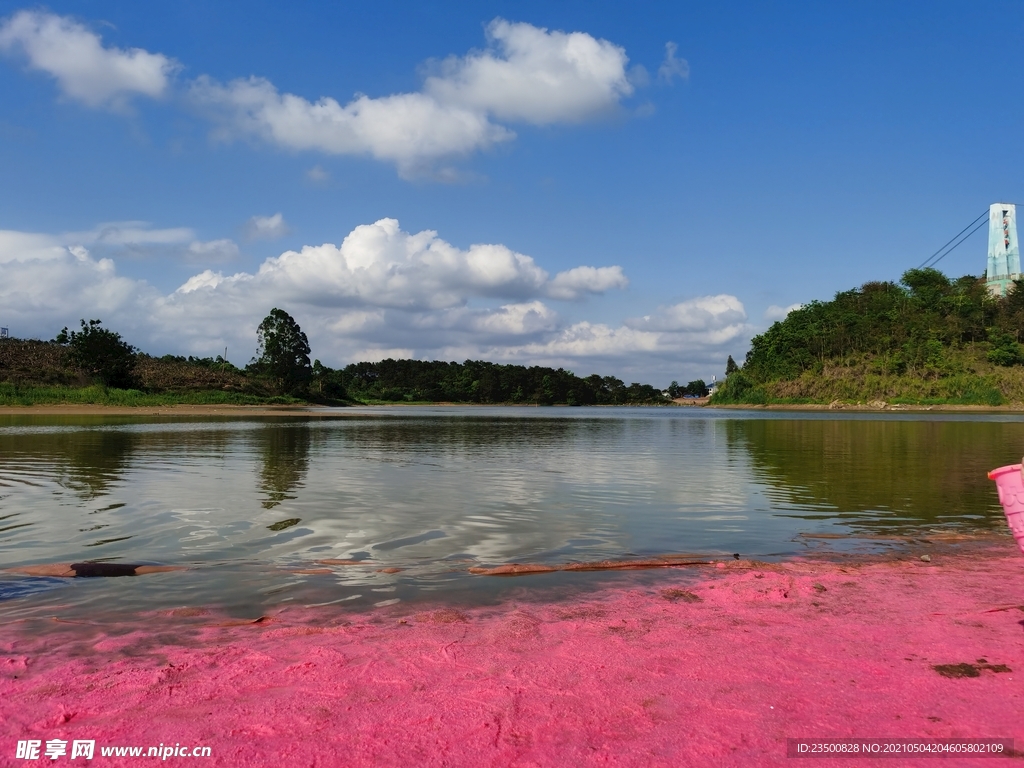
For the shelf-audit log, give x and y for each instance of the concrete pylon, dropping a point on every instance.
(1003, 249)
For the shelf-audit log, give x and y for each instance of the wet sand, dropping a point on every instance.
(713, 666)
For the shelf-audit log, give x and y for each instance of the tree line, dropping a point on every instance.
(476, 381)
(283, 360)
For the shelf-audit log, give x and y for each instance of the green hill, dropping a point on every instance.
(928, 339)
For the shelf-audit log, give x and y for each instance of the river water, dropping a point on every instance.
(247, 503)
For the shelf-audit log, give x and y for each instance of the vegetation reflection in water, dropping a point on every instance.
(881, 476)
(250, 503)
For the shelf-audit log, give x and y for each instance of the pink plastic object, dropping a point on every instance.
(1010, 485)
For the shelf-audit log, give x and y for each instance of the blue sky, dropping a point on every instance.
(598, 203)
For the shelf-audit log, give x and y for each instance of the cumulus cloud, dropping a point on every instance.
(775, 312)
(30, 246)
(84, 69)
(526, 74)
(44, 291)
(136, 239)
(382, 265)
(671, 67)
(576, 282)
(409, 129)
(266, 227)
(720, 314)
(383, 292)
(691, 338)
(532, 75)
(701, 323)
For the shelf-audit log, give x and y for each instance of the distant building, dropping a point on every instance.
(4, 333)
(1003, 249)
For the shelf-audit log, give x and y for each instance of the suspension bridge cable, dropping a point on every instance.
(957, 244)
(929, 261)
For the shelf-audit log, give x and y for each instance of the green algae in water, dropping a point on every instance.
(280, 525)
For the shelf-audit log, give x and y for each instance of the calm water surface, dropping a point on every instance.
(244, 502)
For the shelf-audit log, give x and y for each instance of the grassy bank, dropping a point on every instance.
(26, 395)
(966, 377)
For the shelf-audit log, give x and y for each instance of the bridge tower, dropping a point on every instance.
(1003, 249)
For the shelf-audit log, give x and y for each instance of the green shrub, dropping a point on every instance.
(1005, 349)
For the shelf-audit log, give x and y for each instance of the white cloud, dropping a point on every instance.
(527, 74)
(703, 322)
(84, 69)
(409, 129)
(38, 296)
(508, 321)
(266, 227)
(671, 67)
(576, 282)
(383, 292)
(388, 287)
(775, 312)
(127, 238)
(585, 339)
(531, 75)
(517, 319)
(32, 246)
(691, 338)
(29, 246)
(706, 313)
(382, 265)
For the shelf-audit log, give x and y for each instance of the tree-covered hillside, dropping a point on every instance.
(928, 338)
(476, 381)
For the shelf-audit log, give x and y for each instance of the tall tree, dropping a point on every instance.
(282, 351)
(102, 353)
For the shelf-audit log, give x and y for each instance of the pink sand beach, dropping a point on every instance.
(714, 666)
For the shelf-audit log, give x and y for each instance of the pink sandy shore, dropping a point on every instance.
(715, 668)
